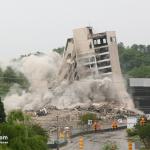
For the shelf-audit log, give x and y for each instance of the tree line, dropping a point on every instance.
(135, 60)
(9, 77)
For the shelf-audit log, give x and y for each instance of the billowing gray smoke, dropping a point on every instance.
(45, 89)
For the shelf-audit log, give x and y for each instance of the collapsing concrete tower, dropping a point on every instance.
(96, 55)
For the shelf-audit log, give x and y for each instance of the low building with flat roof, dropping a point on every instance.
(140, 91)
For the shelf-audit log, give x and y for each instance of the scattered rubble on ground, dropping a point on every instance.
(70, 117)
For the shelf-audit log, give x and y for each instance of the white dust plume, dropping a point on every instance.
(45, 89)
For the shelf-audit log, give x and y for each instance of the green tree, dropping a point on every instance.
(16, 115)
(110, 146)
(131, 132)
(4, 147)
(134, 46)
(88, 116)
(148, 49)
(144, 133)
(59, 50)
(22, 133)
(9, 77)
(140, 72)
(134, 57)
(1, 72)
(2, 112)
(22, 81)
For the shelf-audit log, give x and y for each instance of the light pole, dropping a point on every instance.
(57, 134)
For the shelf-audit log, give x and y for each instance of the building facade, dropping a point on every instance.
(93, 54)
(140, 91)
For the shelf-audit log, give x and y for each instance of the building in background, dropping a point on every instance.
(140, 91)
(93, 54)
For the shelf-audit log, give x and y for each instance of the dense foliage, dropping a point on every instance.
(59, 50)
(144, 133)
(110, 146)
(22, 134)
(131, 132)
(9, 77)
(88, 116)
(2, 112)
(135, 60)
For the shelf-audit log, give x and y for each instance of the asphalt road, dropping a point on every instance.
(98, 140)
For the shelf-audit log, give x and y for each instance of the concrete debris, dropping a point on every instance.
(71, 117)
(42, 112)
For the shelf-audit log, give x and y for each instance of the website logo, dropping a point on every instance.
(3, 139)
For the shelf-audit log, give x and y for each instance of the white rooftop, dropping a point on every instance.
(139, 82)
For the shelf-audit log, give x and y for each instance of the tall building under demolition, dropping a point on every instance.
(93, 54)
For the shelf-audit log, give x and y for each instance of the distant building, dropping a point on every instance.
(140, 90)
(93, 54)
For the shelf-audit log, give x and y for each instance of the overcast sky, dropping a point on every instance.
(41, 25)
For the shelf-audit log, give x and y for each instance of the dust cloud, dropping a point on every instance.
(46, 90)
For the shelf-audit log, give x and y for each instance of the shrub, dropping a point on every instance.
(131, 132)
(22, 135)
(88, 116)
(144, 134)
(110, 146)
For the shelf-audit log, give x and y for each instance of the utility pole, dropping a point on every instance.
(57, 134)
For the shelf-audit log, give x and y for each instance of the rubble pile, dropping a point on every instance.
(107, 110)
(70, 117)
